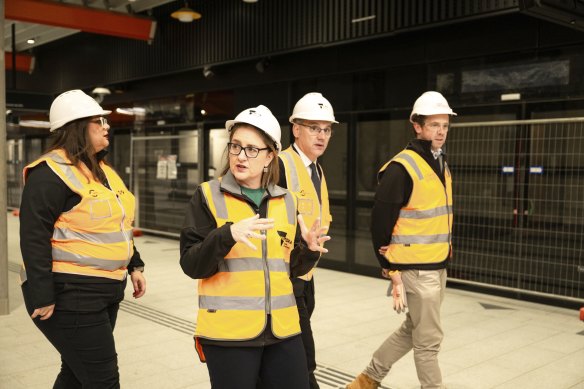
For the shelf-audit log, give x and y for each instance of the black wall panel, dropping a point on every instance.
(232, 31)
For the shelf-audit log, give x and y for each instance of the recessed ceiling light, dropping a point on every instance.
(30, 41)
(250, 1)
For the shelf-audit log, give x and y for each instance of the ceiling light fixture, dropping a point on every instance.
(31, 41)
(208, 72)
(250, 1)
(185, 14)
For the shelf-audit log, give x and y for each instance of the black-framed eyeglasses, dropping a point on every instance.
(250, 151)
(315, 130)
(100, 120)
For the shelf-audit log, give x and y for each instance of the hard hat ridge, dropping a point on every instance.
(73, 105)
(262, 118)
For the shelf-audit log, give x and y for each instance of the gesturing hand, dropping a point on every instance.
(314, 237)
(244, 230)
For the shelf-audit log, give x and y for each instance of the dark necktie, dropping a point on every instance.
(315, 179)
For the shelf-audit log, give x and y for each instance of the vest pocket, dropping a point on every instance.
(100, 209)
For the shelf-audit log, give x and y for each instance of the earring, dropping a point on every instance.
(265, 169)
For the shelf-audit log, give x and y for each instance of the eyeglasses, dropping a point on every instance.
(249, 151)
(435, 126)
(315, 130)
(100, 120)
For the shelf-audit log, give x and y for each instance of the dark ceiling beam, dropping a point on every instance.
(81, 18)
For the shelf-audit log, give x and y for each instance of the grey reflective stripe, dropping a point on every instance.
(420, 239)
(240, 264)
(278, 265)
(245, 303)
(290, 208)
(294, 186)
(218, 199)
(96, 263)
(251, 264)
(412, 163)
(232, 302)
(23, 276)
(427, 214)
(67, 169)
(104, 237)
(286, 301)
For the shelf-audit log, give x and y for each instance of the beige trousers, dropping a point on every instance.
(420, 331)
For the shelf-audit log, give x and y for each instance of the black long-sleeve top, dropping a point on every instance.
(203, 246)
(393, 193)
(44, 198)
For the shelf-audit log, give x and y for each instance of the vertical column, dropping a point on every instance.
(4, 308)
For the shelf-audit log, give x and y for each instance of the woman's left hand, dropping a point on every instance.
(314, 237)
(139, 283)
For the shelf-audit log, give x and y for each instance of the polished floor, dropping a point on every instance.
(490, 342)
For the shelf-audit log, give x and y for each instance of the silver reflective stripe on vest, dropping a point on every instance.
(280, 302)
(23, 276)
(218, 199)
(232, 302)
(240, 264)
(104, 237)
(252, 264)
(412, 163)
(67, 169)
(290, 208)
(294, 186)
(95, 263)
(427, 214)
(245, 303)
(420, 239)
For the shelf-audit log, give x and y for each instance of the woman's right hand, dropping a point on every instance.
(245, 229)
(44, 312)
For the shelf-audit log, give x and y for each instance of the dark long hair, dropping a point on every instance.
(73, 138)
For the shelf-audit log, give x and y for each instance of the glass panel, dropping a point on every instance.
(166, 171)
(377, 141)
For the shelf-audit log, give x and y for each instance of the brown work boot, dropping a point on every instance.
(363, 381)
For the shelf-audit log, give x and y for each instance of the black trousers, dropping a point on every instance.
(305, 301)
(279, 366)
(81, 329)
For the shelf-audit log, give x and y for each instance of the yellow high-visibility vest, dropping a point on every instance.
(250, 284)
(300, 184)
(423, 231)
(94, 238)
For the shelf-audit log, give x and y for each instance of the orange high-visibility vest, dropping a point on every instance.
(300, 184)
(250, 284)
(94, 238)
(423, 231)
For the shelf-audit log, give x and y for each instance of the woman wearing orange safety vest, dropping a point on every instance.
(77, 245)
(241, 240)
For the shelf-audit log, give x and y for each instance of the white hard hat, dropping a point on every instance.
(262, 118)
(73, 105)
(313, 106)
(431, 103)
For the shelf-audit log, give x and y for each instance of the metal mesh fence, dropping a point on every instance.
(519, 204)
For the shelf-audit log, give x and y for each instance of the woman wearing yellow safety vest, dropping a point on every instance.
(76, 240)
(240, 240)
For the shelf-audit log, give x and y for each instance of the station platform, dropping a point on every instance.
(490, 342)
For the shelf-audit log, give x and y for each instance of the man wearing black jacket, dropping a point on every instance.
(411, 225)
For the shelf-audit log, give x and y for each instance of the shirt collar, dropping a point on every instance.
(303, 156)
